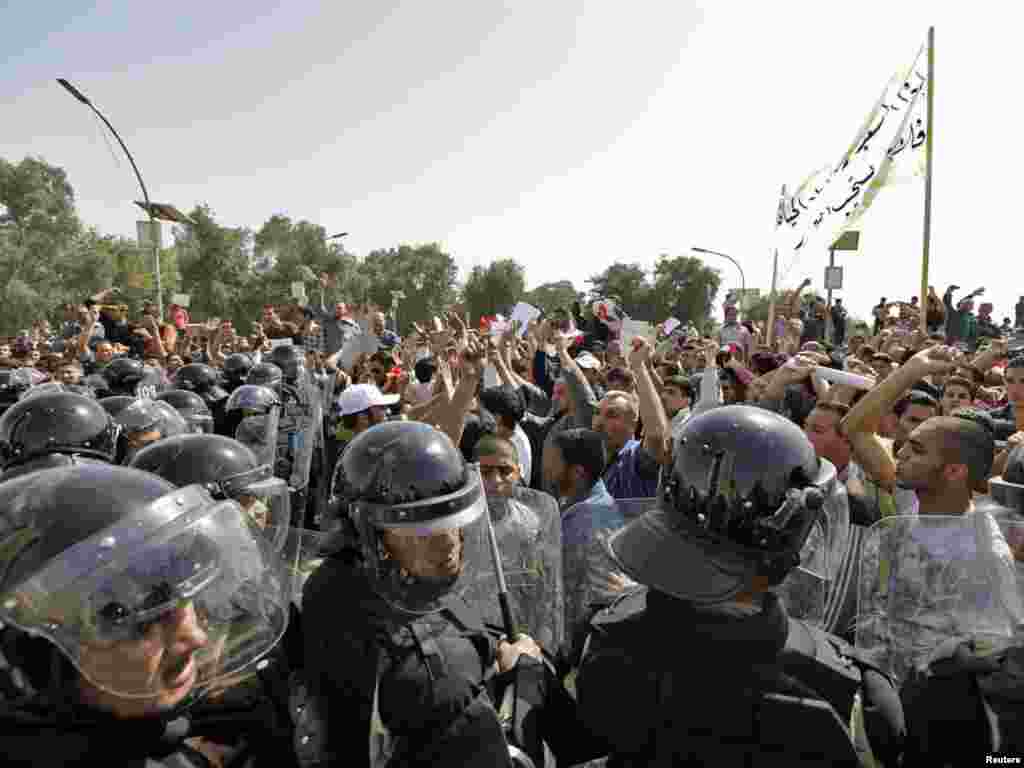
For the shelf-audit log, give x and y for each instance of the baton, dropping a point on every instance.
(506, 609)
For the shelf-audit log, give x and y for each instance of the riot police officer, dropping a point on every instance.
(253, 413)
(236, 368)
(146, 421)
(409, 670)
(265, 374)
(203, 381)
(191, 406)
(144, 621)
(128, 376)
(114, 404)
(227, 469)
(59, 422)
(688, 669)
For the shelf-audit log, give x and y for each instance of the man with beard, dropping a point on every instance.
(410, 672)
(676, 397)
(529, 536)
(573, 467)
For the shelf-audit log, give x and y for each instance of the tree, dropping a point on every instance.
(550, 296)
(628, 286)
(424, 273)
(684, 288)
(41, 244)
(494, 289)
(214, 265)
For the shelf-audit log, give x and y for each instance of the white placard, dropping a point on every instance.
(632, 329)
(523, 313)
(181, 299)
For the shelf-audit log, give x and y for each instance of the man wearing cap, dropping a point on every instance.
(361, 406)
(591, 368)
(732, 333)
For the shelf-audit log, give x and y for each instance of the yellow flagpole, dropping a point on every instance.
(926, 252)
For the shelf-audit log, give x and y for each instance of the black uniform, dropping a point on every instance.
(702, 666)
(399, 669)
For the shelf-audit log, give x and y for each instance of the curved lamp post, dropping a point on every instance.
(743, 279)
(145, 195)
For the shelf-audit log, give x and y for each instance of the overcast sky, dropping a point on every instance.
(569, 135)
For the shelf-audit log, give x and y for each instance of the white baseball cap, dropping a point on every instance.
(587, 360)
(362, 397)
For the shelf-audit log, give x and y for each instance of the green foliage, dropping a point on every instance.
(550, 296)
(627, 284)
(494, 289)
(684, 288)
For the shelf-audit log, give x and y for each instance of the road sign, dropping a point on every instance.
(848, 241)
(833, 278)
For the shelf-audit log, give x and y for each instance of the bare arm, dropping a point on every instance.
(652, 412)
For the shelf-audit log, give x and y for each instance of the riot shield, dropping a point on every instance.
(304, 548)
(301, 425)
(259, 434)
(806, 590)
(529, 535)
(927, 583)
(592, 576)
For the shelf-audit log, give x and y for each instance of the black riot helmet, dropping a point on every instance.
(201, 379)
(61, 422)
(290, 359)
(1008, 490)
(123, 375)
(236, 368)
(191, 406)
(265, 375)
(48, 461)
(408, 478)
(103, 554)
(146, 421)
(252, 400)
(745, 491)
(227, 469)
(114, 404)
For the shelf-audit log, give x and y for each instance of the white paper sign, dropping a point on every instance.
(490, 377)
(523, 313)
(181, 299)
(632, 329)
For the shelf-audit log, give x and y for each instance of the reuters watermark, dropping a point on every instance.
(993, 760)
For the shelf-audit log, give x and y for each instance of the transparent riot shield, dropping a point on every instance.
(529, 536)
(592, 576)
(808, 588)
(300, 428)
(928, 583)
(304, 548)
(259, 434)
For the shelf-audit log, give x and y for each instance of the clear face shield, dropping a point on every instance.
(199, 423)
(164, 604)
(264, 498)
(418, 553)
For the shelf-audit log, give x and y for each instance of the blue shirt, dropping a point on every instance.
(595, 511)
(632, 473)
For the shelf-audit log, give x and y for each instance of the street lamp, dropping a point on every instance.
(743, 279)
(145, 195)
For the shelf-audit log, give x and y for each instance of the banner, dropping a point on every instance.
(889, 146)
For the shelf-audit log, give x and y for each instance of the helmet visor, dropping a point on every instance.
(264, 498)
(199, 423)
(173, 599)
